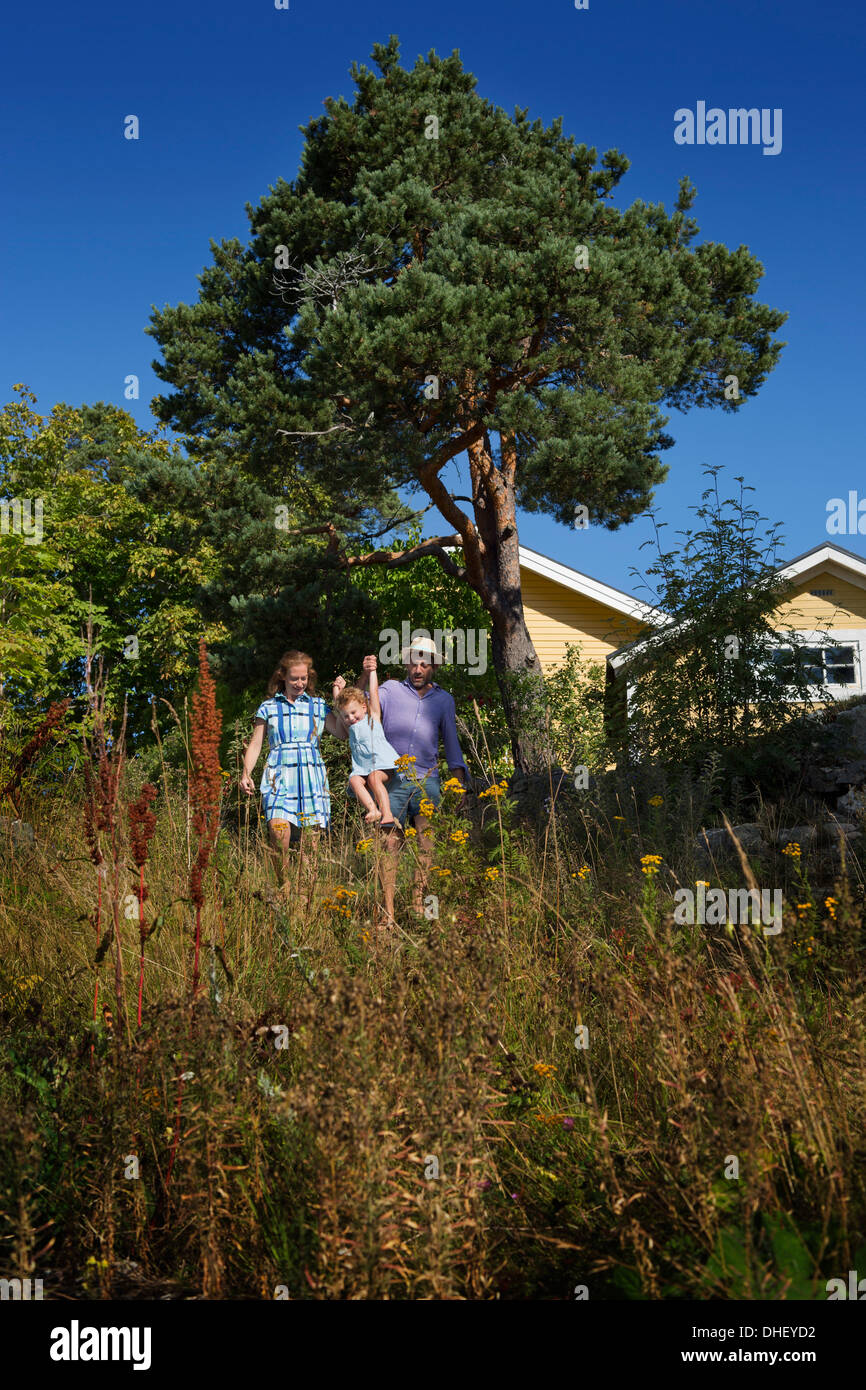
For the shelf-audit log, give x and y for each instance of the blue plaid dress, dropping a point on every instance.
(294, 783)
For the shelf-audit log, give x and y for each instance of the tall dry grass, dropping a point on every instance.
(338, 1112)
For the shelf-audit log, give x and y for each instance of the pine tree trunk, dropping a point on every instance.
(515, 661)
(518, 672)
(497, 579)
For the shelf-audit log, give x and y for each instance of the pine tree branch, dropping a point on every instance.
(391, 559)
(469, 538)
(302, 434)
(327, 529)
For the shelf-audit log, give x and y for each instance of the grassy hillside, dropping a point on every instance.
(549, 1086)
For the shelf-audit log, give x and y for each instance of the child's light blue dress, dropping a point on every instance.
(371, 751)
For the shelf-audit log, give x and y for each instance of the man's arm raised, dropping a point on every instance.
(364, 678)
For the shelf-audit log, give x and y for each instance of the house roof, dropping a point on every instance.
(809, 562)
(819, 555)
(591, 588)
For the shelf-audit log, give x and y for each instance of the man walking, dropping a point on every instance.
(416, 714)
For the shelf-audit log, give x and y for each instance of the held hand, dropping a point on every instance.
(339, 684)
(369, 663)
(247, 784)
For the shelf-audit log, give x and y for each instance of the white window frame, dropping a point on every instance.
(854, 637)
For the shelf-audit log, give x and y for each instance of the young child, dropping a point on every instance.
(372, 754)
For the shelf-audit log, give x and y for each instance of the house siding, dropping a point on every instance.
(845, 607)
(556, 615)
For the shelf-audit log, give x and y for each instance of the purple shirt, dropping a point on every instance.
(414, 725)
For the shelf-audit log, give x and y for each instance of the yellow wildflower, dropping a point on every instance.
(492, 874)
(410, 832)
(426, 807)
(460, 837)
(544, 1069)
(792, 849)
(363, 845)
(656, 801)
(499, 789)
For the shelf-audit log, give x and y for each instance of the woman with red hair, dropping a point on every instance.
(294, 785)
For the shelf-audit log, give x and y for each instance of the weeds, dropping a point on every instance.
(544, 1083)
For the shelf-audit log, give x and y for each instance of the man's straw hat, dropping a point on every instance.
(424, 646)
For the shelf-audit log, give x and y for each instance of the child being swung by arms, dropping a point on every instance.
(372, 755)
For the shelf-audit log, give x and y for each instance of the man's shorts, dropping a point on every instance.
(406, 797)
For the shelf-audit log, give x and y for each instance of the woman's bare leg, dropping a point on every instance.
(280, 833)
(308, 862)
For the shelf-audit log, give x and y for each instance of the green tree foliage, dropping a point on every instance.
(423, 595)
(268, 589)
(104, 555)
(714, 680)
(27, 593)
(576, 713)
(443, 279)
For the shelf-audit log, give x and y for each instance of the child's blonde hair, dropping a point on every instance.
(350, 693)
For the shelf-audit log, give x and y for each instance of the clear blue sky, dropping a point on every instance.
(97, 228)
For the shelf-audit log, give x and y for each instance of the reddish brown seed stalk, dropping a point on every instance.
(94, 822)
(142, 824)
(34, 747)
(205, 787)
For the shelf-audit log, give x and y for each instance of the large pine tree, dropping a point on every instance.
(443, 279)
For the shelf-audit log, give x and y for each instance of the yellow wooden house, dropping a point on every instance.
(827, 609)
(563, 606)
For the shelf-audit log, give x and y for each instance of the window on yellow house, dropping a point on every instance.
(821, 665)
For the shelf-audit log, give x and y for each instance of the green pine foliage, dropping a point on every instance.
(443, 278)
